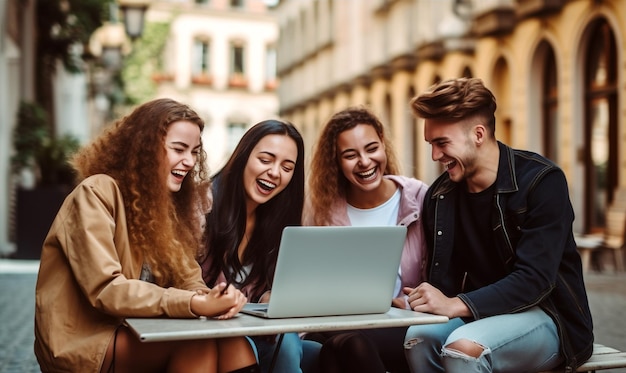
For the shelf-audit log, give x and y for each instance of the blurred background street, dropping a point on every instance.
(607, 297)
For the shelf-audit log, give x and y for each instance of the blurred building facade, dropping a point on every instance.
(557, 68)
(16, 83)
(69, 106)
(220, 58)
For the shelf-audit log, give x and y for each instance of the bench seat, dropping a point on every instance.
(603, 358)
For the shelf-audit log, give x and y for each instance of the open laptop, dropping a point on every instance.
(338, 270)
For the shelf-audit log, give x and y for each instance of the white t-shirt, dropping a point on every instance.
(385, 214)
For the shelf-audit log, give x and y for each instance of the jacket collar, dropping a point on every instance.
(506, 181)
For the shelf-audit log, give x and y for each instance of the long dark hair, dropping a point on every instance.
(226, 223)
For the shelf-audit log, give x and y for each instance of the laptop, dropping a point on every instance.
(337, 270)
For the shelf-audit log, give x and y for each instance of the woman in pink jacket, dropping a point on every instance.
(354, 181)
(123, 244)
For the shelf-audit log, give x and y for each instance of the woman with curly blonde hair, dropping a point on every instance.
(123, 244)
(354, 181)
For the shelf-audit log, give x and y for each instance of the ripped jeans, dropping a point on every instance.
(520, 342)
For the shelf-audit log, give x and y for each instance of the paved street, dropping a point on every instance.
(17, 302)
(607, 296)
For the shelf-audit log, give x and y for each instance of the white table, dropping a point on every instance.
(164, 329)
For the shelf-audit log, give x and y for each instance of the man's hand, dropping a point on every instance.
(427, 298)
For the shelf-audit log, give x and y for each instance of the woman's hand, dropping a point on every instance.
(217, 303)
(399, 302)
(265, 298)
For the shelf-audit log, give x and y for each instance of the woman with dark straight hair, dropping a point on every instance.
(255, 195)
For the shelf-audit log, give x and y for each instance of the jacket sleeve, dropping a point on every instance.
(194, 279)
(539, 243)
(92, 235)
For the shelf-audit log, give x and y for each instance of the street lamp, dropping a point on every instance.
(134, 12)
(463, 9)
(109, 43)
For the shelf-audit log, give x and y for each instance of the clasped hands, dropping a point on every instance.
(221, 302)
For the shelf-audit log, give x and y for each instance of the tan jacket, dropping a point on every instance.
(88, 281)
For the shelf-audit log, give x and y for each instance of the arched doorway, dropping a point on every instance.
(549, 104)
(600, 127)
(502, 91)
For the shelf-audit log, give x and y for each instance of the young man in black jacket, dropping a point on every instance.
(503, 263)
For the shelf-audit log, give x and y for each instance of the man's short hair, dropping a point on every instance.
(456, 99)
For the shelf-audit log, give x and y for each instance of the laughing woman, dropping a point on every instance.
(259, 192)
(354, 181)
(122, 245)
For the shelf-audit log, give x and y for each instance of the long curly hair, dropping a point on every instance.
(326, 181)
(164, 227)
(226, 223)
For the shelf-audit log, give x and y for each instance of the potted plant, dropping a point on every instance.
(45, 177)
(28, 137)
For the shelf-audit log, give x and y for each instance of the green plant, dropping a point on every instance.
(63, 23)
(29, 135)
(61, 26)
(54, 167)
(144, 61)
(38, 150)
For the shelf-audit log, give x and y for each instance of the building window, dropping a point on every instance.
(601, 97)
(237, 61)
(237, 77)
(550, 106)
(236, 3)
(270, 68)
(200, 68)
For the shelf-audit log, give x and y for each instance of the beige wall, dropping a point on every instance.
(217, 102)
(364, 52)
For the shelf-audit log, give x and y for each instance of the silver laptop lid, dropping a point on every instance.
(338, 270)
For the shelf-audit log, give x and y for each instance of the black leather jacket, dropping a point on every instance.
(532, 223)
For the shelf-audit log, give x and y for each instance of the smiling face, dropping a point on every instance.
(182, 145)
(362, 157)
(452, 146)
(269, 169)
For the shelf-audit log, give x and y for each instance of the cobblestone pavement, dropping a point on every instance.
(607, 298)
(17, 310)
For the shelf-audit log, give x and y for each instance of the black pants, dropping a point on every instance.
(362, 351)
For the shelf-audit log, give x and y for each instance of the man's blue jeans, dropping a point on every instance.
(521, 342)
(295, 355)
